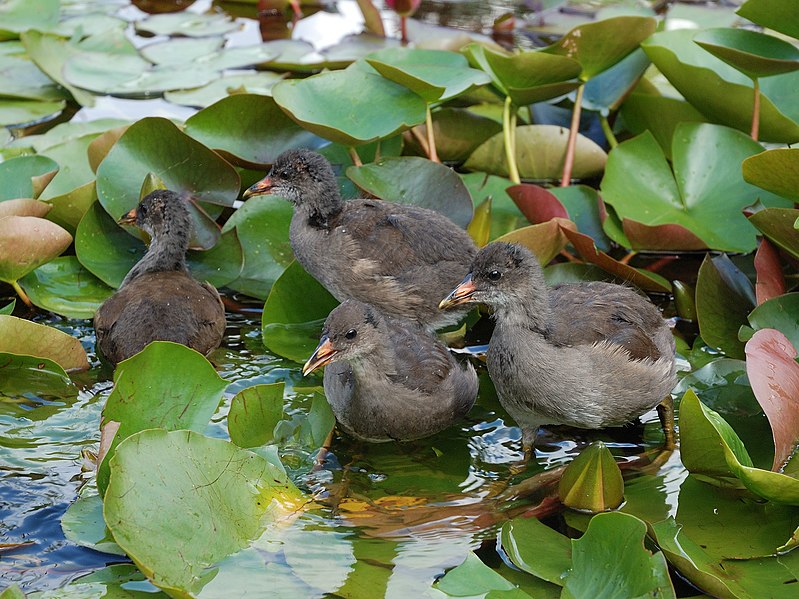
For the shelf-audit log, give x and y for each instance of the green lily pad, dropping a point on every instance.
(436, 75)
(74, 170)
(92, 21)
(248, 130)
(776, 171)
(181, 50)
(9, 308)
(505, 216)
(540, 152)
(724, 298)
(187, 23)
(611, 561)
(200, 499)
(50, 53)
(753, 53)
(529, 76)
(155, 145)
(704, 188)
(18, 176)
(222, 264)
(189, 52)
(592, 481)
(779, 15)
(254, 413)
(227, 85)
(29, 375)
(458, 133)
(64, 132)
(17, 16)
(19, 336)
(24, 81)
(774, 375)
(167, 386)
(20, 113)
(350, 107)
(778, 225)
(418, 182)
(537, 549)
(294, 313)
(83, 524)
(262, 225)
(778, 313)
(68, 209)
(722, 93)
(27, 242)
(607, 91)
(599, 45)
(473, 577)
(65, 287)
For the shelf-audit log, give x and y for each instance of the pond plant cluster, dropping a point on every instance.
(682, 186)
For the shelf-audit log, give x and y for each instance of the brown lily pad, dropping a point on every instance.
(770, 280)
(23, 207)
(668, 237)
(27, 242)
(545, 240)
(23, 337)
(536, 203)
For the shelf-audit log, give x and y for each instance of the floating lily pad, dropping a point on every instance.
(473, 576)
(436, 75)
(19, 113)
(537, 549)
(74, 170)
(593, 481)
(778, 313)
(227, 85)
(156, 509)
(182, 50)
(104, 248)
(599, 45)
(753, 53)
(18, 336)
(540, 152)
(24, 81)
(50, 53)
(249, 130)
(720, 92)
(17, 16)
(64, 132)
(187, 23)
(704, 188)
(254, 412)
(27, 242)
(262, 225)
(166, 385)
(68, 209)
(155, 145)
(350, 107)
(24, 375)
(294, 313)
(776, 171)
(418, 182)
(88, 22)
(83, 524)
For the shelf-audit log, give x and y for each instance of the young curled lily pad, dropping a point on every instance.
(19, 336)
(592, 481)
(350, 107)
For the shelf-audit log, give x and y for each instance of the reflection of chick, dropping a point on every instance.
(386, 378)
(159, 300)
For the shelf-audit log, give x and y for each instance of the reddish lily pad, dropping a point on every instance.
(770, 280)
(27, 242)
(545, 240)
(18, 336)
(774, 375)
(24, 207)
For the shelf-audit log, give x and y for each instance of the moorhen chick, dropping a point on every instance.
(401, 259)
(588, 355)
(387, 378)
(158, 299)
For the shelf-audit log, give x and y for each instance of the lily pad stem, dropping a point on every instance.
(431, 138)
(571, 146)
(756, 110)
(508, 126)
(404, 30)
(608, 131)
(22, 295)
(356, 160)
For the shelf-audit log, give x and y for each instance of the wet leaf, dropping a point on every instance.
(156, 509)
(720, 92)
(779, 15)
(248, 130)
(436, 75)
(68, 209)
(600, 45)
(294, 314)
(545, 240)
(540, 152)
(592, 481)
(611, 561)
(703, 187)
(753, 53)
(27, 242)
(350, 106)
(155, 145)
(777, 224)
(19, 113)
(83, 524)
(537, 549)
(774, 375)
(18, 174)
(28, 375)
(227, 85)
(65, 287)
(770, 280)
(20, 336)
(472, 577)
(418, 182)
(24, 207)
(776, 171)
(724, 298)
(778, 313)
(254, 412)
(262, 226)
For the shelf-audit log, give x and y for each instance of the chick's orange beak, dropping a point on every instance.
(462, 294)
(323, 354)
(128, 219)
(262, 187)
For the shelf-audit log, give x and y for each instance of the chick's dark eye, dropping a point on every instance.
(494, 275)
(351, 334)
